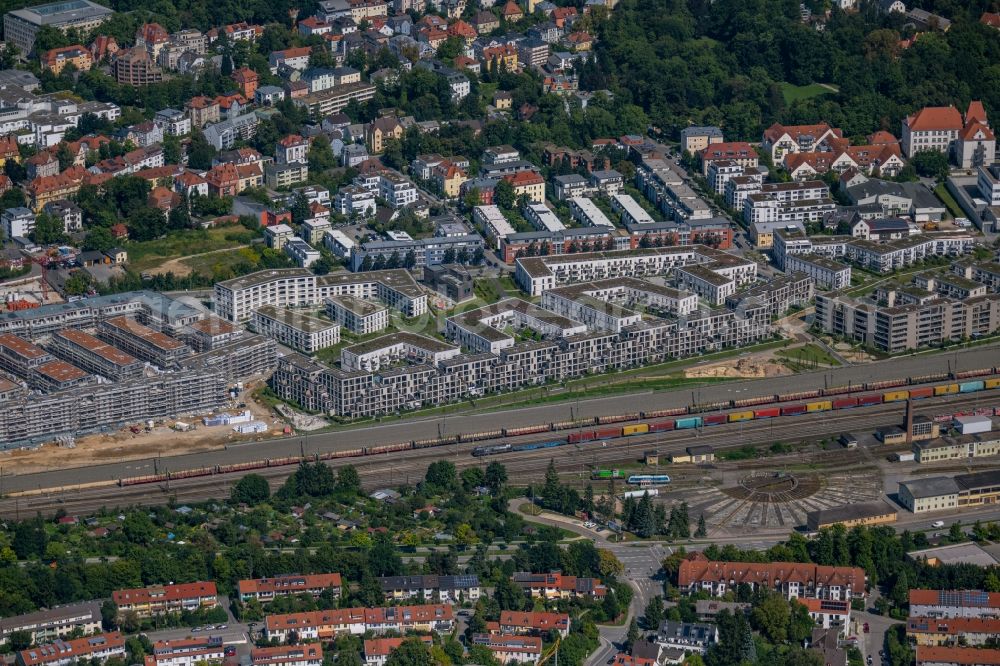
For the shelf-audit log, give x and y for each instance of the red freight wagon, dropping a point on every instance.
(793, 410)
(844, 403)
(609, 432)
(661, 426)
(918, 393)
(868, 400)
(767, 413)
(715, 419)
(585, 436)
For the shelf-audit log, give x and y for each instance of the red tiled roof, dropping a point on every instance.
(143, 595)
(537, 620)
(245, 75)
(955, 626)
(289, 583)
(512, 9)
(381, 647)
(727, 151)
(696, 570)
(882, 137)
(286, 653)
(776, 131)
(990, 19)
(969, 132)
(524, 178)
(932, 118)
(976, 112)
(71, 650)
(962, 656)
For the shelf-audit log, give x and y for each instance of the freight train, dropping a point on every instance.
(694, 416)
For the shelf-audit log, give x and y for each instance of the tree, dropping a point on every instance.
(654, 613)
(702, 530)
(508, 595)
(171, 149)
(48, 229)
(200, 151)
(473, 477)
(503, 195)
(441, 474)
(411, 652)
(99, 239)
(147, 224)
(321, 157)
(252, 489)
(771, 616)
(348, 480)
(633, 634)
(496, 477)
(931, 164)
(19, 640)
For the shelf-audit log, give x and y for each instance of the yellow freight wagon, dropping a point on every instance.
(946, 389)
(635, 429)
(741, 416)
(992, 383)
(895, 396)
(819, 406)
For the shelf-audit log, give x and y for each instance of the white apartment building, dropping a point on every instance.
(495, 225)
(586, 212)
(708, 284)
(372, 355)
(397, 190)
(354, 201)
(304, 254)
(310, 654)
(186, 651)
(338, 242)
(295, 329)
(356, 315)
(827, 273)
(543, 219)
(236, 299)
(277, 235)
(630, 210)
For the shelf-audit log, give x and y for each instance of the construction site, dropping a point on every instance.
(68, 369)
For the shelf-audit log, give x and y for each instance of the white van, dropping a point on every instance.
(937, 523)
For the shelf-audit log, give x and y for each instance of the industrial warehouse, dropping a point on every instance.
(99, 363)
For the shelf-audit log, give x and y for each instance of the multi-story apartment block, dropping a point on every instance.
(295, 329)
(709, 285)
(139, 340)
(95, 355)
(827, 273)
(558, 586)
(535, 623)
(445, 589)
(630, 210)
(948, 604)
(325, 625)
(236, 299)
(55, 622)
(22, 25)
(790, 579)
(310, 654)
(377, 650)
(96, 649)
(781, 140)
(266, 590)
(356, 315)
(162, 599)
(511, 649)
(538, 274)
(187, 652)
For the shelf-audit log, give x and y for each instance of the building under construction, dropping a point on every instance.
(102, 363)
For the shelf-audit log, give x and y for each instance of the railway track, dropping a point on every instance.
(407, 466)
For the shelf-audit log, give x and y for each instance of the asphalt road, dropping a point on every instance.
(401, 431)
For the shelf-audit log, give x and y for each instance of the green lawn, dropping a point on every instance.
(808, 356)
(944, 195)
(793, 93)
(144, 255)
(208, 263)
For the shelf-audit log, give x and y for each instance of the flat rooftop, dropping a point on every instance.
(263, 277)
(96, 346)
(61, 371)
(358, 306)
(21, 347)
(399, 338)
(59, 13)
(135, 329)
(397, 279)
(212, 326)
(297, 320)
